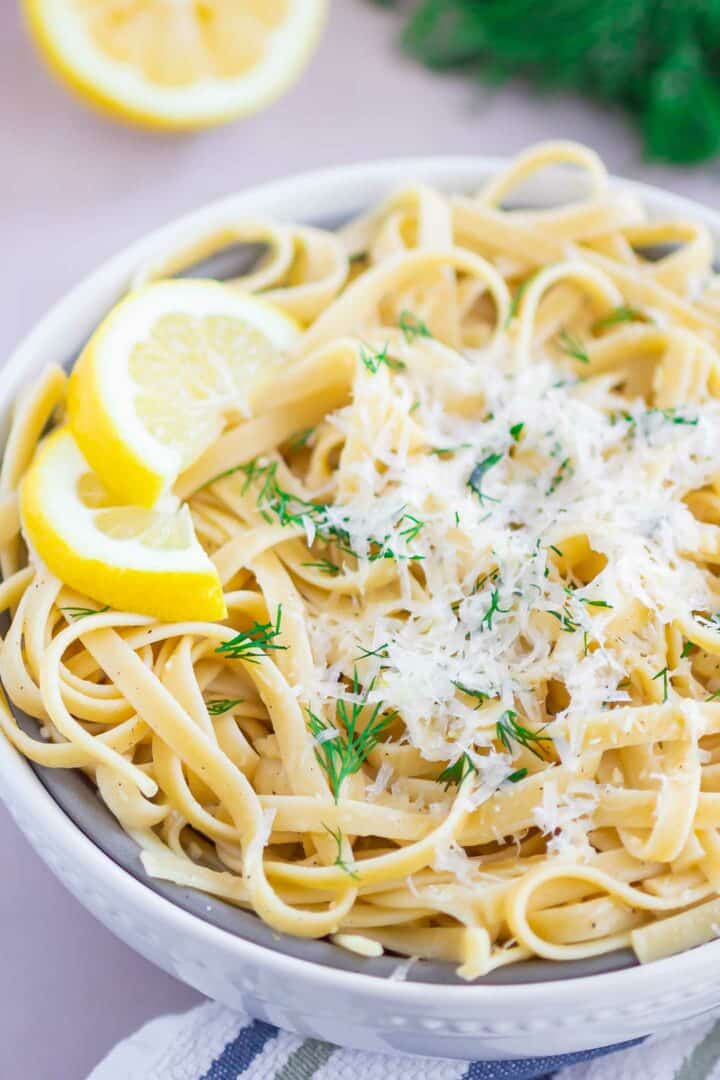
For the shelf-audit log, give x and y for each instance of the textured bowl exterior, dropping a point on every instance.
(349, 1008)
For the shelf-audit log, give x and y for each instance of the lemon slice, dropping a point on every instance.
(130, 558)
(162, 375)
(178, 64)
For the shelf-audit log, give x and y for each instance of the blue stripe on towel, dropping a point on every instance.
(239, 1054)
(536, 1068)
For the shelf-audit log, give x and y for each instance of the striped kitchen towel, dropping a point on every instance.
(212, 1043)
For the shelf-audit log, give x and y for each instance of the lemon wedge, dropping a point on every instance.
(163, 374)
(127, 557)
(177, 64)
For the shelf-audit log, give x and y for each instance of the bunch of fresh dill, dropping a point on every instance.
(660, 59)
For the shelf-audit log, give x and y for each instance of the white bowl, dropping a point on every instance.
(324, 997)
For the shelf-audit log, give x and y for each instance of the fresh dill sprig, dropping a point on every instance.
(342, 748)
(517, 298)
(222, 705)
(458, 772)
(256, 642)
(516, 431)
(564, 471)
(297, 442)
(83, 612)
(413, 530)
(572, 347)
(508, 731)
(339, 861)
(381, 652)
(476, 477)
(374, 361)
(585, 600)
(324, 566)
(412, 327)
(565, 618)
(663, 674)
(621, 314)
(440, 451)
(480, 695)
(493, 609)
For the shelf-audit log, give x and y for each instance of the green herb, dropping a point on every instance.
(441, 450)
(457, 518)
(341, 748)
(480, 695)
(357, 256)
(572, 347)
(687, 649)
(414, 528)
(415, 406)
(325, 566)
(714, 696)
(516, 431)
(586, 639)
(297, 442)
(476, 476)
(517, 298)
(374, 361)
(584, 600)
(556, 550)
(516, 776)
(83, 612)
(381, 652)
(412, 327)
(508, 731)
(254, 643)
(458, 772)
(565, 470)
(339, 861)
(566, 620)
(222, 705)
(663, 674)
(494, 609)
(620, 314)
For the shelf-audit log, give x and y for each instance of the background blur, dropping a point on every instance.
(74, 188)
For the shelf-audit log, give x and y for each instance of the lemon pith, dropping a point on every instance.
(176, 66)
(162, 373)
(152, 564)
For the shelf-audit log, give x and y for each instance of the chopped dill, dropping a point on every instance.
(494, 609)
(341, 748)
(621, 314)
(687, 649)
(517, 298)
(83, 612)
(564, 471)
(374, 361)
(297, 442)
(381, 652)
(475, 479)
(516, 431)
(566, 620)
(517, 776)
(508, 731)
(480, 695)
(556, 550)
(414, 528)
(458, 772)
(412, 327)
(663, 674)
(254, 643)
(715, 696)
(572, 347)
(339, 861)
(440, 451)
(222, 705)
(325, 566)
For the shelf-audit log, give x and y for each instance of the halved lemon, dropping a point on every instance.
(177, 64)
(163, 374)
(134, 559)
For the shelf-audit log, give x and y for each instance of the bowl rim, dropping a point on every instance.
(22, 788)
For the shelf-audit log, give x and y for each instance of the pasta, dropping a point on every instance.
(466, 704)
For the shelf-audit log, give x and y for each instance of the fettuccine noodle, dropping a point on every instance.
(469, 543)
